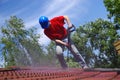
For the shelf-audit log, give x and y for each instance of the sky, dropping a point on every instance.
(79, 11)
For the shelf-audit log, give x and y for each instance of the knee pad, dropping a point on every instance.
(59, 50)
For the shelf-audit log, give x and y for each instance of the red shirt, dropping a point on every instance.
(56, 30)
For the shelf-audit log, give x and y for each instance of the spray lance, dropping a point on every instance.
(70, 30)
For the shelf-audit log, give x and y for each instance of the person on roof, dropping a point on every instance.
(55, 30)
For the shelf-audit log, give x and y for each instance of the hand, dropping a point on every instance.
(69, 26)
(67, 45)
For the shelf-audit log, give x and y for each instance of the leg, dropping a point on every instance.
(77, 56)
(59, 53)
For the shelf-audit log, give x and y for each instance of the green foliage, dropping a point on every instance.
(113, 7)
(72, 63)
(20, 46)
(95, 42)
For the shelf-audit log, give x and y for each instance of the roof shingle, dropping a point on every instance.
(19, 73)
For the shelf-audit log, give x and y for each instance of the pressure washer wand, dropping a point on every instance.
(69, 30)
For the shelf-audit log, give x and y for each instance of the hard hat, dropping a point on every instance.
(44, 22)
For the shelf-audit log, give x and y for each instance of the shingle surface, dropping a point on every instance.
(45, 73)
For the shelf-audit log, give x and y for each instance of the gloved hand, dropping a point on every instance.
(67, 45)
(69, 25)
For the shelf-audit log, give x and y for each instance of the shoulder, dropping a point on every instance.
(46, 31)
(65, 16)
(58, 18)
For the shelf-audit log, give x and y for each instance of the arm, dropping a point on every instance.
(68, 21)
(61, 42)
(69, 26)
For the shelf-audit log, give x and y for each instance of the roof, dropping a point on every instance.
(45, 73)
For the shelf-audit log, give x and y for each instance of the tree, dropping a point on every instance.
(19, 44)
(113, 7)
(95, 42)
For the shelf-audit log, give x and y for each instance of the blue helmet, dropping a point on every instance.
(44, 22)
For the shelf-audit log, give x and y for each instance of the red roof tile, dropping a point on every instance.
(28, 73)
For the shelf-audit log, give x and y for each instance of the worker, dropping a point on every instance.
(55, 30)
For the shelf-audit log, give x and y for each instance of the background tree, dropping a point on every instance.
(95, 42)
(113, 7)
(19, 45)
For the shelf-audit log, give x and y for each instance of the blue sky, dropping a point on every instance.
(79, 11)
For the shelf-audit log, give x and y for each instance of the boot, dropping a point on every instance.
(62, 61)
